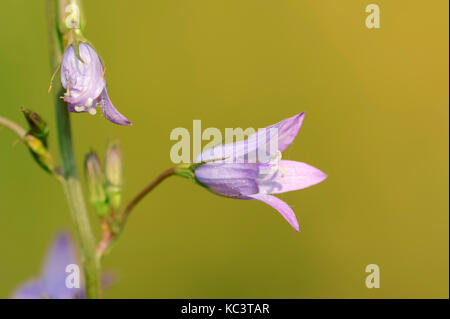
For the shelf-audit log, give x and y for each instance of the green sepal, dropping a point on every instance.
(74, 38)
(185, 170)
(114, 195)
(101, 208)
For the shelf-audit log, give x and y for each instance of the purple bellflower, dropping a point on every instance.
(228, 170)
(83, 77)
(51, 284)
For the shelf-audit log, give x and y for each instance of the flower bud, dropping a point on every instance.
(70, 15)
(113, 170)
(38, 127)
(96, 183)
(40, 153)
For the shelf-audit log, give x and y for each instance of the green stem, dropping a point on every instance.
(143, 193)
(70, 181)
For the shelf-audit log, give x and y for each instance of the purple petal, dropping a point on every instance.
(110, 111)
(83, 81)
(280, 206)
(258, 145)
(52, 282)
(288, 130)
(32, 289)
(244, 151)
(53, 278)
(290, 176)
(229, 179)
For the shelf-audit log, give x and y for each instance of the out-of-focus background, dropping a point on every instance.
(376, 105)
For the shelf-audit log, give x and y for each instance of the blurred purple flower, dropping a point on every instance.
(85, 83)
(51, 284)
(52, 281)
(229, 171)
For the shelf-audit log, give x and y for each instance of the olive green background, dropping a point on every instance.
(376, 105)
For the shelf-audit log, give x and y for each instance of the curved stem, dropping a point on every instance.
(13, 127)
(110, 237)
(144, 192)
(70, 181)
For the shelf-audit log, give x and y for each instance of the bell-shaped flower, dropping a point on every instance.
(83, 77)
(253, 168)
(52, 283)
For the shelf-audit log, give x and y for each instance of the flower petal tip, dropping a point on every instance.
(126, 122)
(110, 112)
(299, 117)
(322, 176)
(295, 225)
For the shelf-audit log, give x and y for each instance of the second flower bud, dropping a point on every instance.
(96, 184)
(105, 183)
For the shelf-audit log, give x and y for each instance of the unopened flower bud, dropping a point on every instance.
(70, 15)
(38, 127)
(40, 152)
(114, 177)
(96, 183)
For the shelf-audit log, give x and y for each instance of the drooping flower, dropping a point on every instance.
(244, 169)
(83, 77)
(51, 283)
